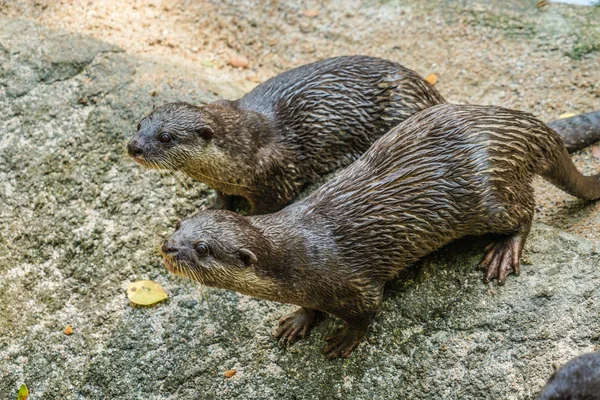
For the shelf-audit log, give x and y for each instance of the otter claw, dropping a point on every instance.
(343, 342)
(503, 257)
(295, 326)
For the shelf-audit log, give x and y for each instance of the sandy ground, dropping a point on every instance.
(543, 60)
(79, 220)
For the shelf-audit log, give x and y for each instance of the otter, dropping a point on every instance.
(280, 138)
(447, 172)
(579, 131)
(579, 379)
(285, 133)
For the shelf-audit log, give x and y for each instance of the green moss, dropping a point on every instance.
(512, 26)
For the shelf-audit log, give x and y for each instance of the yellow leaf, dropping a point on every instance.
(23, 392)
(68, 330)
(432, 79)
(566, 115)
(145, 293)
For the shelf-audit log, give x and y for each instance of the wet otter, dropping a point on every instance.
(292, 129)
(287, 132)
(447, 172)
(579, 379)
(579, 131)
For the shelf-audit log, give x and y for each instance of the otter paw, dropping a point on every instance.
(343, 342)
(503, 257)
(295, 326)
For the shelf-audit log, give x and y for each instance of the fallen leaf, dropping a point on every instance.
(566, 115)
(311, 13)
(432, 79)
(229, 373)
(596, 151)
(68, 330)
(542, 3)
(145, 293)
(238, 62)
(23, 392)
(207, 64)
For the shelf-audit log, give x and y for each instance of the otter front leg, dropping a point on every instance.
(223, 201)
(346, 338)
(296, 325)
(264, 205)
(504, 255)
(270, 199)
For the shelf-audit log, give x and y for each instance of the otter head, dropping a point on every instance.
(172, 134)
(221, 249)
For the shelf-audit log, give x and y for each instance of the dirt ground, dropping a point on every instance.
(79, 219)
(542, 60)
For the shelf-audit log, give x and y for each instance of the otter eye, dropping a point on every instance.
(164, 138)
(201, 248)
(178, 226)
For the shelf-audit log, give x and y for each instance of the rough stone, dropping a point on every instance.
(78, 221)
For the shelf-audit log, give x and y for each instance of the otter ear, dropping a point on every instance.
(205, 133)
(248, 257)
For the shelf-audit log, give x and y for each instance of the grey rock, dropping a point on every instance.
(78, 221)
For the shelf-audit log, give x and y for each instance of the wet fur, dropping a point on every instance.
(579, 379)
(447, 172)
(288, 131)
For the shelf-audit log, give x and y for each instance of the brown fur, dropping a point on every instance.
(447, 172)
(579, 379)
(287, 132)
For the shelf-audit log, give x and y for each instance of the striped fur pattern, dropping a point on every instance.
(289, 131)
(446, 172)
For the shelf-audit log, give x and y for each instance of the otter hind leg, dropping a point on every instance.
(296, 325)
(504, 256)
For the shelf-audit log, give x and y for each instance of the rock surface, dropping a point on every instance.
(78, 221)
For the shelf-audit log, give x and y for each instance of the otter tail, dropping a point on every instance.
(579, 131)
(563, 174)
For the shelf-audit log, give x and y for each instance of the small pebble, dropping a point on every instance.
(238, 62)
(229, 373)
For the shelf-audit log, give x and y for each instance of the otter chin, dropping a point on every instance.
(448, 172)
(169, 264)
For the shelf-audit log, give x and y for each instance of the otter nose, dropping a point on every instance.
(133, 148)
(168, 247)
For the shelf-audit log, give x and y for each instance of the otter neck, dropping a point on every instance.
(234, 122)
(292, 257)
(227, 163)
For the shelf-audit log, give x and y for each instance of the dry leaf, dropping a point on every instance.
(311, 13)
(145, 293)
(68, 330)
(238, 62)
(596, 151)
(229, 373)
(432, 79)
(566, 115)
(542, 3)
(23, 392)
